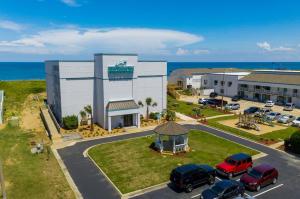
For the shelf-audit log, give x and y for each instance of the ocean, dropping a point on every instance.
(36, 70)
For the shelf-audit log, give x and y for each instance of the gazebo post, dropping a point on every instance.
(174, 148)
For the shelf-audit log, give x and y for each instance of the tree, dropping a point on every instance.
(149, 102)
(171, 115)
(82, 115)
(88, 109)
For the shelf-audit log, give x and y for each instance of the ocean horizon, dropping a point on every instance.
(10, 71)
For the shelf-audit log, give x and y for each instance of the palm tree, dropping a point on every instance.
(82, 115)
(89, 110)
(149, 102)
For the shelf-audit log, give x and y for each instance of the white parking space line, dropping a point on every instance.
(195, 196)
(268, 190)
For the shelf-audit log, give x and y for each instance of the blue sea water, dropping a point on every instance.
(36, 70)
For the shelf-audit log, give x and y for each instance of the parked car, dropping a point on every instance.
(262, 112)
(269, 103)
(216, 102)
(289, 107)
(188, 176)
(236, 98)
(296, 122)
(232, 106)
(259, 176)
(202, 101)
(286, 119)
(224, 189)
(273, 115)
(234, 165)
(213, 94)
(251, 110)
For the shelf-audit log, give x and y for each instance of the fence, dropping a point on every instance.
(1, 105)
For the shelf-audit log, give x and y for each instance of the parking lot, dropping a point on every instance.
(92, 183)
(244, 104)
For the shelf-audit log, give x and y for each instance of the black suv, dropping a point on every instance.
(188, 176)
(251, 110)
(224, 189)
(236, 98)
(213, 94)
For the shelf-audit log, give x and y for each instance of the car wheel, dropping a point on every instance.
(189, 188)
(211, 180)
(258, 188)
(274, 181)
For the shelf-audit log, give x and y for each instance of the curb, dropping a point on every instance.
(66, 174)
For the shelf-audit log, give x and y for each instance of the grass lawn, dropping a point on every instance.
(16, 93)
(187, 109)
(132, 165)
(276, 136)
(26, 175)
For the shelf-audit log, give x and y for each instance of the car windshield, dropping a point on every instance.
(217, 189)
(272, 114)
(255, 174)
(285, 117)
(230, 161)
(298, 119)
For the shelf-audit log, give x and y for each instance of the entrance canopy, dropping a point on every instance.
(176, 134)
(122, 105)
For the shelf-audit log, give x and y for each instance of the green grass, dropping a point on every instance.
(277, 136)
(187, 108)
(132, 165)
(16, 93)
(26, 175)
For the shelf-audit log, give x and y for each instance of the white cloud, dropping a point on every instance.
(71, 3)
(76, 40)
(10, 25)
(181, 51)
(267, 46)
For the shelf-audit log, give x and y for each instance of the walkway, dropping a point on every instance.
(55, 136)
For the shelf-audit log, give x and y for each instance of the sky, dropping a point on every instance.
(172, 30)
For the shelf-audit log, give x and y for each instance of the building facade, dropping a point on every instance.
(279, 86)
(220, 80)
(112, 84)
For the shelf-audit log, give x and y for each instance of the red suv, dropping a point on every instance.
(234, 165)
(260, 176)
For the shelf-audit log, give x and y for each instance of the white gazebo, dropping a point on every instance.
(171, 137)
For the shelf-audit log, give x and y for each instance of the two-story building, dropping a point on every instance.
(279, 86)
(112, 84)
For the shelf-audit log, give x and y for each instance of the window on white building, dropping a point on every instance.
(205, 81)
(222, 83)
(222, 91)
(216, 82)
(229, 84)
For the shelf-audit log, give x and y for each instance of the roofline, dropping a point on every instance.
(152, 61)
(69, 61)
(124, 54)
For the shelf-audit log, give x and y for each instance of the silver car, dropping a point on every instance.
(286, 119)
(288, 107)
(273, 116)
(232, 106)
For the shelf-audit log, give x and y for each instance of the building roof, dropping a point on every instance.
(195, 71)
(122, 105)
(292, 79)
(233, 73)
(170, 128)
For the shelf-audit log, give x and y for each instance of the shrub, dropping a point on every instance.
(293, 143)
(154, 116)
(70, 122)
(171, 116)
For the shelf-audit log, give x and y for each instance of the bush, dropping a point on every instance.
(293, 143)
(154, 116)
(171, 116)
(70, 122)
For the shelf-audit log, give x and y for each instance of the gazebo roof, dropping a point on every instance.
(170, 128)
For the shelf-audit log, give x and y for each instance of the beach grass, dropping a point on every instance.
(16, 93)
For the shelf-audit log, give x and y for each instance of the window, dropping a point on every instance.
(257, 87)
(205, 81)
(222, 91)
(216, 82)
(285, 90)
(295, 91)
(222, 83)
(229, 84)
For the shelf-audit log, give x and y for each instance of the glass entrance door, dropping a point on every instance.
(128, 120)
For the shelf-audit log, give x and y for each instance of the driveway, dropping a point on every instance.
(93, 185)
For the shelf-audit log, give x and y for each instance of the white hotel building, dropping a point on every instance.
(112, 84)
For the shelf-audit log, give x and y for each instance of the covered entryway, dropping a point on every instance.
(123, 113)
